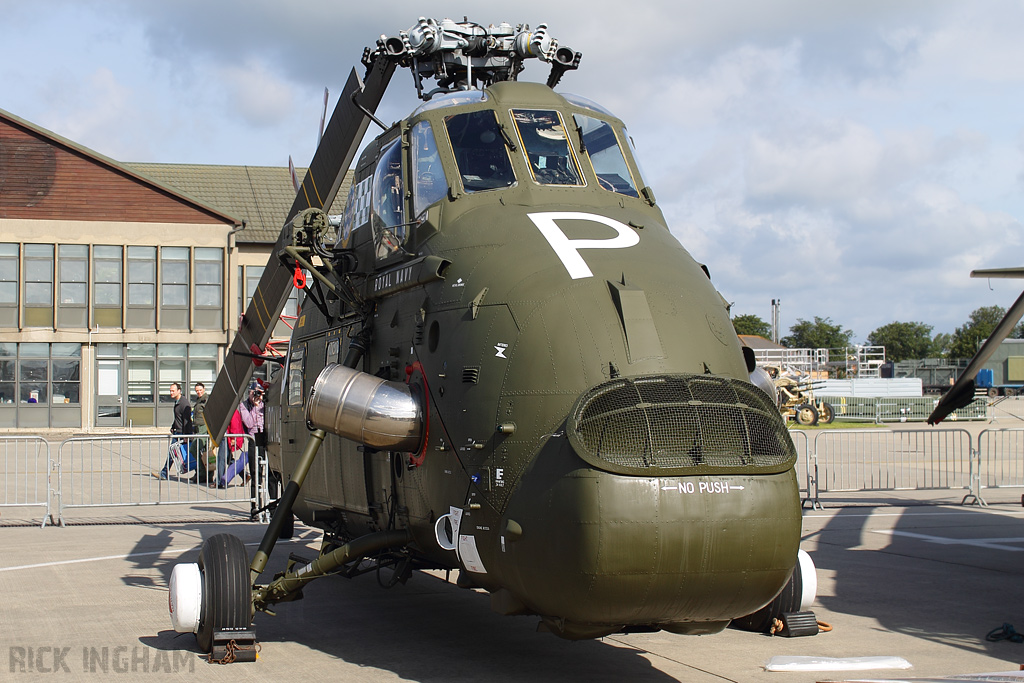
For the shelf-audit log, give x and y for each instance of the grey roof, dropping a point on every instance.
(756, 342)
(259, 195)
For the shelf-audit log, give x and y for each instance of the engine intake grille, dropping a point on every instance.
(683, 423)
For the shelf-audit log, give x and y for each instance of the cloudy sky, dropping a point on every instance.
(854, 159)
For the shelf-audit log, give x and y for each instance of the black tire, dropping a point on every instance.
(807, 415)
(788, 600)
(826, 415)
(227, 593)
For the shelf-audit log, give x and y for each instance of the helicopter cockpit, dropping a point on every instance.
(575, 143)
(484, 155)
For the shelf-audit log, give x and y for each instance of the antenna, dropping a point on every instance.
(776, 305)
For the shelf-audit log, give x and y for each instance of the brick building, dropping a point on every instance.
(117, 279)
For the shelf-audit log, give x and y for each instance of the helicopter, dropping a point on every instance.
(509, 367)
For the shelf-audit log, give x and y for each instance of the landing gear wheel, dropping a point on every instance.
(797, 595)
(806, 414)
(825, 413)
(227, 593)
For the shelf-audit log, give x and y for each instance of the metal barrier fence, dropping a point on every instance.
(26, 467)
(898, 409)
(890, 460)
(119, 471)
(1001, 458)
(802, 443)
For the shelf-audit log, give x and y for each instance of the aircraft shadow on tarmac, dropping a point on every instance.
(425, 630)
(922, 584)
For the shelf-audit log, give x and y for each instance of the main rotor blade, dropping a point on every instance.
(999, 272)
(962, 393)
(326, 173)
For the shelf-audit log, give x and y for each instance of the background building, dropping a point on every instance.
(117, 279)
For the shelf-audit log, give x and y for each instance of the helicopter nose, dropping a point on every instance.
(684, 554)
(684, 548)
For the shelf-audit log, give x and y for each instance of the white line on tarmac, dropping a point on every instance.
(973, 511)
(990, 543)
(168, 551)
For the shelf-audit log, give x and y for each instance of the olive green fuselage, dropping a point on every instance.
(499, 348)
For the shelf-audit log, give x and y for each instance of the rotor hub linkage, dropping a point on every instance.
(466, 55)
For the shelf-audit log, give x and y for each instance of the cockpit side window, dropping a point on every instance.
(388, 215)
(480, 151)
(296, 365)
(546, 145)
(602, 148)
(430, 184)
(636, 159)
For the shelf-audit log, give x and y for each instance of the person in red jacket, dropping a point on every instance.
(231, 446)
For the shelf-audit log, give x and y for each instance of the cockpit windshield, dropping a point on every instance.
(546, 145)
(605, 154)
(480, 151)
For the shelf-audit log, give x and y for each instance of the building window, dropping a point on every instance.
(170, 368)
(208, 297)
(33, 373)
(249, 278)
(9, 285)
(40, 385)
(73, 267)
(174, 283)
(8, 372)
(171, 364)
(65, 372)
(141, 309)
(38, 285)
(141, 402)
(106, 287)
(140, 373)
(202, 365)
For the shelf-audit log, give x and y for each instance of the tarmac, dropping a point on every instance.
(913, 575)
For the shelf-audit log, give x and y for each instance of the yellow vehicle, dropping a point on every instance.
(796, 398)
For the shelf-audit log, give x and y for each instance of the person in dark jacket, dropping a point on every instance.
(182, 412)
(182, 425)
(202, 444)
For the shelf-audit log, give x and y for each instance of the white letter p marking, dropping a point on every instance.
(568, 250)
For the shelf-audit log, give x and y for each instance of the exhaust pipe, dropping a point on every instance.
(364, 408)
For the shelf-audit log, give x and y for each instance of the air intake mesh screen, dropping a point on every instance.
(680, 422)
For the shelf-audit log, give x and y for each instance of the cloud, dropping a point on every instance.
(259, 97)
(108, 115)
(854, 159)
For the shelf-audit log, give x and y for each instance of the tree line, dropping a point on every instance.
(902, 340)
